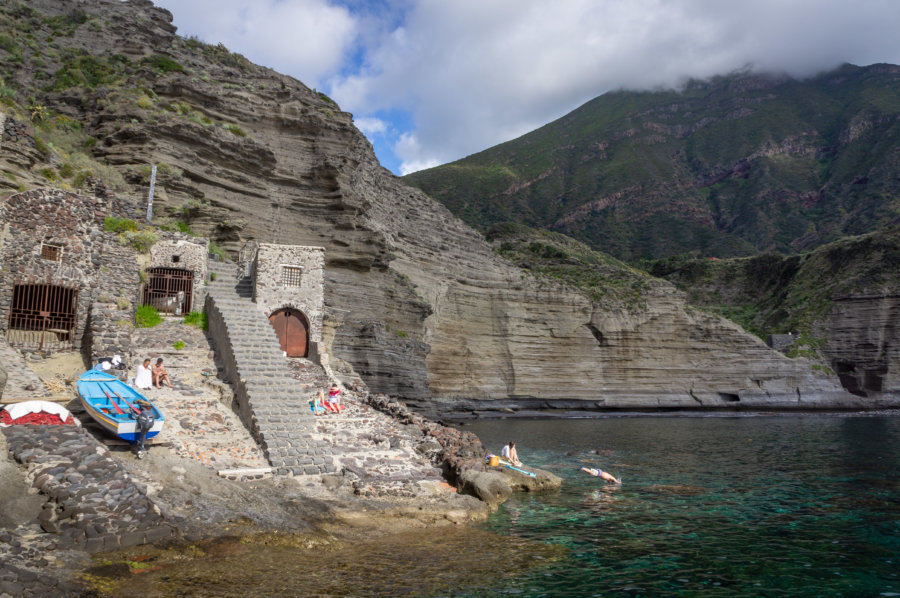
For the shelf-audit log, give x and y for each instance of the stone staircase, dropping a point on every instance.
(271, 403)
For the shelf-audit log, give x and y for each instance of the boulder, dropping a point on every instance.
(489, 486)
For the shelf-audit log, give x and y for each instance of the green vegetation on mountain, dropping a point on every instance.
(773, 293)
(606, 280)
(729, 167)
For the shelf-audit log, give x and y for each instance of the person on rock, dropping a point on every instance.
(601, 474)
(160, 374)
(143, 379)
(509, 453)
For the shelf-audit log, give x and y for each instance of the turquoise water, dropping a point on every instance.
(749, 506)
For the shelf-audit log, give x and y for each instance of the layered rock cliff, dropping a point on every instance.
(418, 303)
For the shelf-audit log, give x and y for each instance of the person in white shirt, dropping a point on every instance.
(143, 379)
(509, 453)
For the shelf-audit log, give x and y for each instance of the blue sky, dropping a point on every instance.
(431, 81)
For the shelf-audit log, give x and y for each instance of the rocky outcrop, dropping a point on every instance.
(862, 333)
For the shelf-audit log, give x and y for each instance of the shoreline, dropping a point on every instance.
(460, 418)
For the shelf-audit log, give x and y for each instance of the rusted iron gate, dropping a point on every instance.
(43, 316)
(169, 290)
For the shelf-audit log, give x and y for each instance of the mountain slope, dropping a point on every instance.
(728, 167)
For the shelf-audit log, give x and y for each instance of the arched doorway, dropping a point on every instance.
(292, 329)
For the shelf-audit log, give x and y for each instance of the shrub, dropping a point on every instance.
(215, 249)
(111, 224)
(198, 319)
(144, 102)
(41, 146)
(147, 316)
(141, 240)
(163, 64)
(179, 345)
(183, 227)
(233, 128)
(65, 170)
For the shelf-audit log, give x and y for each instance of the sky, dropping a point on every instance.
(432, 81)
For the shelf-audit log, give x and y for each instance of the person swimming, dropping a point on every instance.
(601, 474)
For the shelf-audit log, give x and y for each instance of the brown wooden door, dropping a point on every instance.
(292, 330)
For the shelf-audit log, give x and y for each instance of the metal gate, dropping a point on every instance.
(43, 317)
(169, 290)
(292, 329)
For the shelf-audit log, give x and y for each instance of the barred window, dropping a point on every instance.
(290, 275)
(51, 253)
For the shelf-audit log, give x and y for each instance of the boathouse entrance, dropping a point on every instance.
(292, 328)
(43, 317)
(169, 290)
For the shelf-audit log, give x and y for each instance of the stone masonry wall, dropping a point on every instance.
(74, 223)
(271, 291)
(118, 295)
(187, 254)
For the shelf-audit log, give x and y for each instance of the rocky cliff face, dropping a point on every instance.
(418, 303)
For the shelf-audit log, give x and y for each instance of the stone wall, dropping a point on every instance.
(276, 286)
(118, 295)
(73, 224)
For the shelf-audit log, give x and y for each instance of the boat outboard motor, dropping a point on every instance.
(145, 421)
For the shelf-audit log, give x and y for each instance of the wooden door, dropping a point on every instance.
(292, 329)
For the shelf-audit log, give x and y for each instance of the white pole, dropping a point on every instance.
(150, 195)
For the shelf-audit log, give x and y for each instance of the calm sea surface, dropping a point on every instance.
(751, 506)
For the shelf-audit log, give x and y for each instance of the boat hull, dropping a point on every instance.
(112, 404)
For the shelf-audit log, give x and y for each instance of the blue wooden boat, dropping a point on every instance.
(113, 404)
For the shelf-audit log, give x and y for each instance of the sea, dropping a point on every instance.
(791, 505)
(715, 506)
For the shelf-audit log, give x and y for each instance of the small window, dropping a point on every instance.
(290, 276)
(51, 253)
(176, 259)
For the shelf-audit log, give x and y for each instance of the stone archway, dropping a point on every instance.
(292, 328)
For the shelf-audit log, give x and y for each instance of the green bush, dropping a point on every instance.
(215, 249)
(141, 240)
(111, 224)
(198, 319)
(147, 316)
(178, 345)
(233, 128)
(163, 64)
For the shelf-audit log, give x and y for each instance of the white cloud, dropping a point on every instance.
(371, 126)
(308, 39)
(409, 151)
(463, 75)
(475, 73)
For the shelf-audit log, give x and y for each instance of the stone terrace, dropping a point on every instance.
(269, 400)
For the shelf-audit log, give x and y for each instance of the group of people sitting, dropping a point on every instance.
(148, 377)
(333, 404)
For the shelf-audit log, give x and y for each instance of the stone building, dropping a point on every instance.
(50, 249)
(288, 287)
(176, 278)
